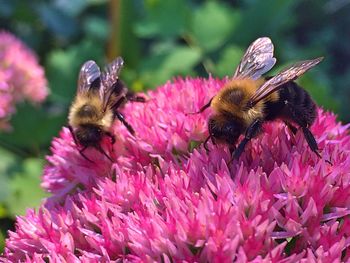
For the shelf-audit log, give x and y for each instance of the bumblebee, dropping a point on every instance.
(96, 105)
(248, 100)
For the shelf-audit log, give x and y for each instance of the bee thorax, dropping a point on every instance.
(253, 114)
(87, 111)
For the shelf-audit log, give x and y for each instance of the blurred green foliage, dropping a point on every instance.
(159, 39)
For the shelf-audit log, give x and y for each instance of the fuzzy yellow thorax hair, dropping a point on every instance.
(232, 100)
(102, 119)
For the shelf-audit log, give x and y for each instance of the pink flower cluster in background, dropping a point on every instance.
(165, 199)
(21, 77)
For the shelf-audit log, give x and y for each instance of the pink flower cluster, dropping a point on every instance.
(21, 77)
(165, 199)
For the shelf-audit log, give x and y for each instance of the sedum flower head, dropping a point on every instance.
(163, 200)
(21, 77)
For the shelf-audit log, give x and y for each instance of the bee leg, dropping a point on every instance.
(100, 149)
(81, 151)
(126, 124)
(203, 108)
(312, 143)
(309, 137)
(118, 103)
(291, 127)
(213, 140)
(205, 144)
(137, 99)
(232, 149)
(132, 97)
(120, 116)
(73, 135)
(110, 135)
(251, 132)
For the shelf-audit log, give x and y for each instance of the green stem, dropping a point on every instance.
(113, 45)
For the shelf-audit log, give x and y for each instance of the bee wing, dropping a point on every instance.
(257, 60)
(109, 78)
(89, 72)
(289, 74)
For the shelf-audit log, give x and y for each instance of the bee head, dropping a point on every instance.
(89, 135)
(225, 129)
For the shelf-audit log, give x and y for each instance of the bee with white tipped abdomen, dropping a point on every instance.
(248, 100)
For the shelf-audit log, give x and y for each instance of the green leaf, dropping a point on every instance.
(265, 18)
(25, 187)
(165, 19)
(228, 61)
(212, 24)
(72, 8)
(181, 60)
(96, 27)
(63, 68)
(319, 91)
(130, 44)
(6, 8)
(2, 241)
(97, 2)
(3, 211)
(33, 127)
(5, 225)
(7, 164)
(193, 145)
(24, 12)
(57, 21)
(178, 61)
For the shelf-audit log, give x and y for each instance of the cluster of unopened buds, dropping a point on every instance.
(165, 198)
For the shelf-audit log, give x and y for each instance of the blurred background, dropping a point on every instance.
(158, 39)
